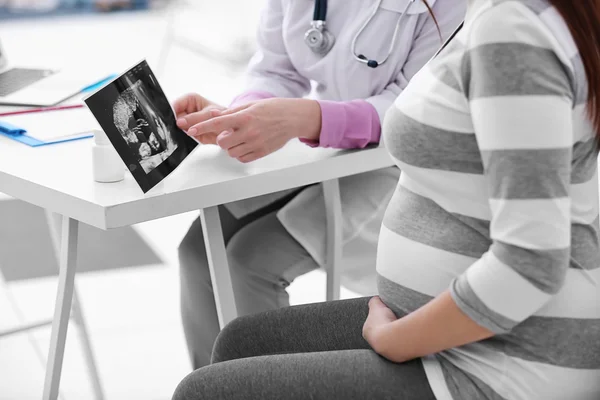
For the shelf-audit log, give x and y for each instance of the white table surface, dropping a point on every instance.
(59, 178)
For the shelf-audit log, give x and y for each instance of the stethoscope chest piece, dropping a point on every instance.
(318, 39)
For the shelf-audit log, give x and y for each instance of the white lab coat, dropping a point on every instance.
(286, 67)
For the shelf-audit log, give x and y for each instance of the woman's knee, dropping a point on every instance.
(247, 336)
(231, 342)
(186, 390)
(198, 385)
(230, 380)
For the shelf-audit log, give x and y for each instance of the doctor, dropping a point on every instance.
(357, 56)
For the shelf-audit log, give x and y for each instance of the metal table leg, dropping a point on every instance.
(219, 267)
(64, 297)
(54, 222)
(333, 207)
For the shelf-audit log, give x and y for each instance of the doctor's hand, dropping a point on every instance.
(254, 130)
(192, 109)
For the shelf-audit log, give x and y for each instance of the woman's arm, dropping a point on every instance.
(520, 96)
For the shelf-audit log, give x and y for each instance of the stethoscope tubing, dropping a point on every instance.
(365, 60)
(320, 13)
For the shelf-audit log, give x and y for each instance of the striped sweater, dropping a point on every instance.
(498, 202)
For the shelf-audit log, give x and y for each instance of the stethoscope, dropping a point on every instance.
(320, 40)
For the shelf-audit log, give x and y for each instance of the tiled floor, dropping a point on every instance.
(132, 313)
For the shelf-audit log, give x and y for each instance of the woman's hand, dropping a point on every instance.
(257, 129)
(379, 319)
(437, 326)
(192, 109)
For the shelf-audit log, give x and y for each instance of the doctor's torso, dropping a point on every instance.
(338, 75)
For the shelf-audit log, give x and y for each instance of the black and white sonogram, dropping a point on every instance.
(137, 117)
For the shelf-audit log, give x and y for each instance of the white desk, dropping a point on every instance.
(58, 178)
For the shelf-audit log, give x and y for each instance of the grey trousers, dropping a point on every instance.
(311, 351)
(263, 259)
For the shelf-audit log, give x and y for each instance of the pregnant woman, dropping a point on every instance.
(488, 257)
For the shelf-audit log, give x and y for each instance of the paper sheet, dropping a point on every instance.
(54, 125)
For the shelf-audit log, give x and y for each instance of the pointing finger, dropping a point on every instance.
(218, 124)
(197, 117)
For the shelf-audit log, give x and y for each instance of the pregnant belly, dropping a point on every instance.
(411, 273)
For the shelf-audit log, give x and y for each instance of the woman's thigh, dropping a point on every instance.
(335, 325)
(344, 374)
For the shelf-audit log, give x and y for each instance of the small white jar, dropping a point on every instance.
(107, 165)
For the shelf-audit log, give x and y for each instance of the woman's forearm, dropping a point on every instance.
(437, 326)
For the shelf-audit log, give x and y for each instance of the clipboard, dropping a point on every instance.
(44, 128)
(20, 134)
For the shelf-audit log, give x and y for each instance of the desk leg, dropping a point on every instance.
(86, 345)
(54, 223)
(64, 297)
(333, 207)
(219, 267)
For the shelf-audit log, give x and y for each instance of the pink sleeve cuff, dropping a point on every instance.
(247, 97)
(347, 125)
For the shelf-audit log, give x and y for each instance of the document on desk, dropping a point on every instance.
(138, 119)
(58, 125)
